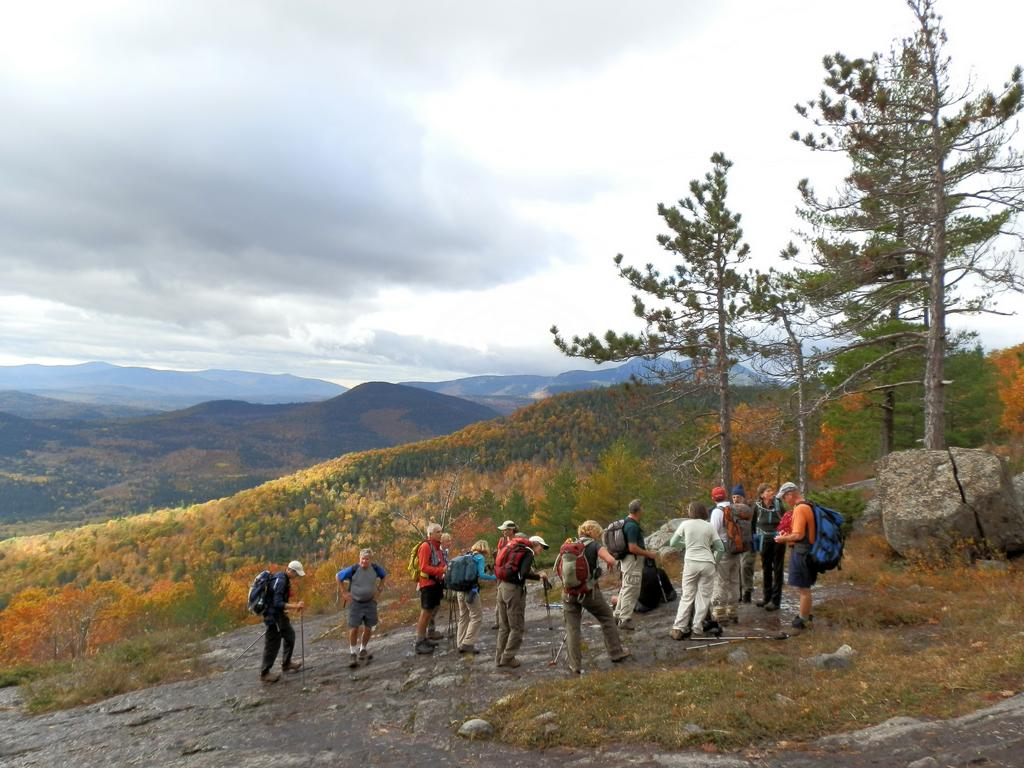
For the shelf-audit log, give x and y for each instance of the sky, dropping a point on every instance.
(392, 190)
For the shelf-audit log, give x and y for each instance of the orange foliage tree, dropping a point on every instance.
(1010, 386)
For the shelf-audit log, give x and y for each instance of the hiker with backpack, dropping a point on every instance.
(431, 567)
(725, 597)
(279, 627)
(507, 531)
(361, 585)
(768, 513)
(801, 536)
(631, 565)
(446, 549)
(464, 575)
(579, 567)
(513, 568)
(702, 549)
(745, 518)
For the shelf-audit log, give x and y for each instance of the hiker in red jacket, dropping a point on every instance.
(430, 585)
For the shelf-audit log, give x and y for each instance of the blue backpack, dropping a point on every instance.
(462, 574)
(827, 550)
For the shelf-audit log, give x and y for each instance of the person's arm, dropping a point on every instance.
(481, 569)
(344, 581)
(678, 540)
(635, 549)
(381, 575)
(717, 548)
(798, 530)
(286, 606)
(606, 557)
(526, 571)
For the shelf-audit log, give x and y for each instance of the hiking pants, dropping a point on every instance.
(725, 597)
(471, 615)
(747, 560)
(698, 583)
(632, 568)
(596, 606)
(511, 620)
(773, 562)
(277, 631)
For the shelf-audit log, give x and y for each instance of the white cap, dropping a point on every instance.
(508, 524)
(538, 540)
(296, 566)
(786, 488)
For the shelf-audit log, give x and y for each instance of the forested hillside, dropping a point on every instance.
(57, 470)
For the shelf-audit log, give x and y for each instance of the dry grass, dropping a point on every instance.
(930, 642)
(141, 662)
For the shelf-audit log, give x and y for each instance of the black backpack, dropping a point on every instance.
(462, 574)
(614, 539)
(259, 593)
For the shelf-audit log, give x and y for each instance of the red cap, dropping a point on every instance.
(719, 493)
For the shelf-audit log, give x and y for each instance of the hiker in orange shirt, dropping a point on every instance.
(801, 537)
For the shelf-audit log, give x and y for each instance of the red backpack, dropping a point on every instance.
(574, 569)
(510, 557)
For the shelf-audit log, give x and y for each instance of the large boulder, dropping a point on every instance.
(934, 501)
(658, 541)
(1018, 486)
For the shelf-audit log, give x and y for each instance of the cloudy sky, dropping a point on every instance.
(395, 190)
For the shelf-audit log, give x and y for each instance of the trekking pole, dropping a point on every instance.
(547, 605)
(302, 634)
(554, 661)
(780, 636)
(232, 662)
(451, 622)
(707, 645)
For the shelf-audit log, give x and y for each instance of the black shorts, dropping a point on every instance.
(362, 613)
(431, 596)
(801, 575)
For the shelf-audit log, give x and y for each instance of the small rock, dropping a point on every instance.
(443, 681)
(739, 656)
(504, 701)
(476, 729)
(784, 700)
(844, 651)
(550, 728)
(546, 717)
(924, 762)
(369, 706)
(692, 729)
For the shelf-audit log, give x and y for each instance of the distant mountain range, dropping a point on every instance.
(507, 393)
(60, 469)
(102, 384)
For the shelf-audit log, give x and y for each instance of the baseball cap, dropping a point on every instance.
(718, 493)
(296, 566)
(508, 524)
(786, 488)
(538, 540)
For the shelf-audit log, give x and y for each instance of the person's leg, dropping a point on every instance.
(734, 583)
(746, 575)
(516, 622)
(367, 633)
(779, 567)
(721, 590)
(288, 635)
(572, 613)
(503, 625)
(598, 607)
(684, 613)
(705, 574)
(271, 645)
(353, 638)
(421, 624)
(767, 569)
(632, 579)
(461, 618)
(805, 604)
(475, 610)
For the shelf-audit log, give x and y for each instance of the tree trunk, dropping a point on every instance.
(888, 422)
(724, 396)
(801, 409)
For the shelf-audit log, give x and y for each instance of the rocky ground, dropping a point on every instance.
(406, 709)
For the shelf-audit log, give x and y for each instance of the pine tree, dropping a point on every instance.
(695, 315)
(556, 511)
(933, 183)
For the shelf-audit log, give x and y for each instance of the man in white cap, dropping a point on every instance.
(513, 568)
(278, 625)
(508, 531)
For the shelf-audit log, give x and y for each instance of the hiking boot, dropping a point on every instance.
(365, 655)
(292, 666)
(621, 657)
(513, 662)
(761, 603)
(270, 677)
(428, 641)
(801, 623)
(574, 671)
(435, 635)
(627, 625)
(711, 629)
(424, 646)
(353, 661)
(771, 607)
(467, 649)
(679, 634)
(746, 596)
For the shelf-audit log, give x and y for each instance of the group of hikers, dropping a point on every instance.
(719, 548)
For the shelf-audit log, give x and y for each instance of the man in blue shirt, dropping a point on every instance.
(361, 585)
